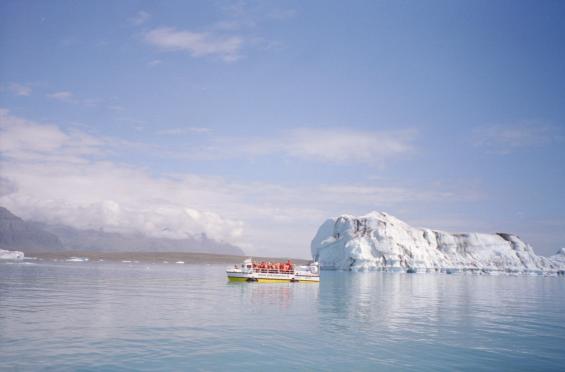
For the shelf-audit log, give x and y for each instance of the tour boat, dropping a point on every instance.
(267, 272)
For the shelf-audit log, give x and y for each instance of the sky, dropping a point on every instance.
(254, 122)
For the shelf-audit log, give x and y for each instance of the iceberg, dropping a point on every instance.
(559, 257)
(77, 259)
(379, 241)
(11, 255)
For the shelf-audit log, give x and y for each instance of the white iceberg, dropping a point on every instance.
(11, 255)
(77, 259)
(379, 241)
(559, 257)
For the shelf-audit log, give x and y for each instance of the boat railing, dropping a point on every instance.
(273, 271)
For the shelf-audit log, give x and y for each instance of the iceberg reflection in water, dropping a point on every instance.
(114, 315)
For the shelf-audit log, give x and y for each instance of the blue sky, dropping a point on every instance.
(255, 121)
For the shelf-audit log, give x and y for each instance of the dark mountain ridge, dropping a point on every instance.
(17, 234)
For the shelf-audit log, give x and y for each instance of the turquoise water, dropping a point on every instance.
(171, 317)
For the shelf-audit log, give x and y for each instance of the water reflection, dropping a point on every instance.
(137, 316)
(463, 311)
(280, 295)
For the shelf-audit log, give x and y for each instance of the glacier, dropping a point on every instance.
(11, 255)
(379, 241)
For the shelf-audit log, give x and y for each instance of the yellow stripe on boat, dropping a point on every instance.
(269, 280)
(236, 279)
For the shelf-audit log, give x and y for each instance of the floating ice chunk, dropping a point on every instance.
(77, 259)
(378, 241)
(11, 255)
(180, 262)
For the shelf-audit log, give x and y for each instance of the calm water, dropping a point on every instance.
(146, 317)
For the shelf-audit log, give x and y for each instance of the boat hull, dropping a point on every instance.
(266, 280)
(270, 278)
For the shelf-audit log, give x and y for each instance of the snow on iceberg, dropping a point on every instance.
(559, 257)
(11, 255)
(379, 241)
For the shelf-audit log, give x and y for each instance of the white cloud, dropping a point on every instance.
(154, 62)
(96, 195)
(62, 176)
(198, 44)
(341, 146)
(219, 38)
(63, 96)
(19, 89)
(25, 140)
(386, 195)
(332, 145)
(183, 130)
(140, 18)
(505, 139)
(232, 25)
(54, 175)
(69, 97)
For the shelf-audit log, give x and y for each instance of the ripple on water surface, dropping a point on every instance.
(159, 316)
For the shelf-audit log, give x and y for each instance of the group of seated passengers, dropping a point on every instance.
(276, 266)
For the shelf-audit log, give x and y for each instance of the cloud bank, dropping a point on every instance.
(56, 176)
(328, 145)
(61, 176)
(198, 44)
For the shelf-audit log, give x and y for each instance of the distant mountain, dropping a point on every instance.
(17, 234)
(97, 240)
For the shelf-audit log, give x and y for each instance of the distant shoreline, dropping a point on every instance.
(158, 257)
